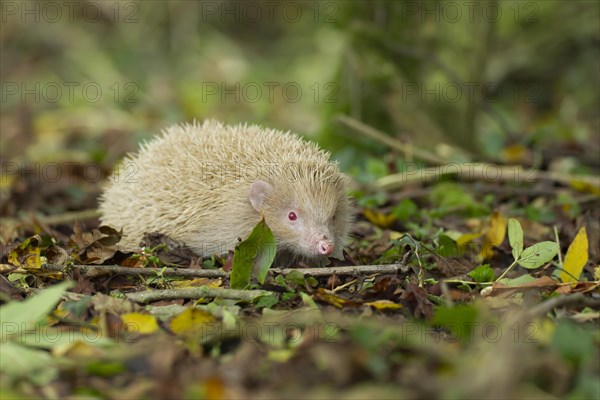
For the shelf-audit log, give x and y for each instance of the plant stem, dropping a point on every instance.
(511, 266)
(558, 244)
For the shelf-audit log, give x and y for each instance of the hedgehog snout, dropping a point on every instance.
(325, 246)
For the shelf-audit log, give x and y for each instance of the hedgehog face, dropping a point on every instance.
(301, 224)
(297, 230)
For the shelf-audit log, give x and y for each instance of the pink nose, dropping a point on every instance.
(325, 247)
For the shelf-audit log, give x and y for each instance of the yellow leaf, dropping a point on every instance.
(466, 238)
(330, 298)
(540, 331)
(394, 235)
(214, 388)
(585, 186)
(191, 320)
(384, 305)
(77, 349)
(214, 283)
(379, 219)
(496, 231)
(515, 154)
(140, 323)
(577, 256)
(281, 355)
(27, 254)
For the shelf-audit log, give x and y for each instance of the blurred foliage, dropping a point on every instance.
(481, 75)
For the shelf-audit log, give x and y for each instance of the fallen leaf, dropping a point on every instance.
(167, 249)
(494, 236)
(543, 282)
(516, 154)
(27, 254)
(382, 305)
(380, 219)
(94, 247)
(140, 323)
(576, 257)
(332, 299)
(191, 320)
(418, 296)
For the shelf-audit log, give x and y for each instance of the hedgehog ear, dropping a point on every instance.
(258, 191)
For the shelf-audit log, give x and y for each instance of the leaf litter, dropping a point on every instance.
(465, 282)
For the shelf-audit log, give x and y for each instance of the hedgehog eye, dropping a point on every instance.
(333, 218)
(292, 216)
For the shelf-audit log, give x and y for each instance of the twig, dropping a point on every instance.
(389, 140)
(213, 273)
(69, 217)
(483, 172)
(547, 306)
(353, 270)
(196, 293)
(469, 171)
(421, 269)
(344, 286)
(57, 219)
(98, 269)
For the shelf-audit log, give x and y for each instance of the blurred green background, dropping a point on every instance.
(507, 81)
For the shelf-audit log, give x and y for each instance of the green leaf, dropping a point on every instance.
(34, 365)
(537, 255)
(280, 280)
(483, 273)
(52, 338)
(296, 277)
(573, 342)
(521, 280)
(255, 254)
(515, 237)
(308, 301)
(459, 320)
(16, 317)
(267, 301)
(405, 209)
(104, 368)
(447, 246)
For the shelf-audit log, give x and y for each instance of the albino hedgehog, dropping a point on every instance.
(208, 184)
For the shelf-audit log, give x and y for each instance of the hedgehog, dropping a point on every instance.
(208, 184)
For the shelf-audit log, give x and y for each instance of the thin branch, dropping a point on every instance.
(213, 273)
(561, 301)
(196, 293)
(389, 141)
(467, 171)
(483, 172)
(352, 270)
(57, 219)
(116, 269)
